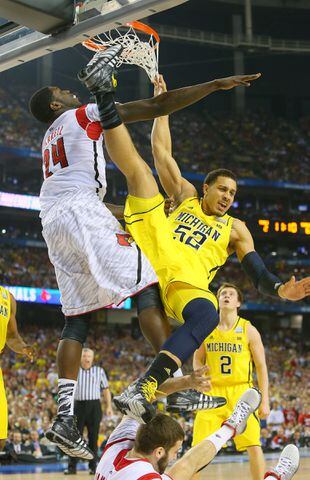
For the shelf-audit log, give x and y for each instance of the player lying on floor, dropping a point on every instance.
(144, 452)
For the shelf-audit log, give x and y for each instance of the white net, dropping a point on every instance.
(136, 51)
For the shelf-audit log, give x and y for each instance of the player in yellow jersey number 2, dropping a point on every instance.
(185, 259)
(229, 352)
(9, 336)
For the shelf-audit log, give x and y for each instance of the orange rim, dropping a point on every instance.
(144, 28)
(92, 45)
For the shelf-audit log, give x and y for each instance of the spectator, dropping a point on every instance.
(304, 416)
(16, 445)
(297, 439)
(290, 413)
(279, 441)
(37, 450)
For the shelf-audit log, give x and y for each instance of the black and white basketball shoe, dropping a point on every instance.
(65, 434)
(191, 400)
(136, 400)
(98, 75)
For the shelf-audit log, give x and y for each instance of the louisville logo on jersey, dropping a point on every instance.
(124, 239)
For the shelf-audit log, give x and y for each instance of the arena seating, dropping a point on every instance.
(256, 145)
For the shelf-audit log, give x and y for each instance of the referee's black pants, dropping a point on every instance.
(88, 414)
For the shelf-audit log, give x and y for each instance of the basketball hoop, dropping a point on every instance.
(136, 51)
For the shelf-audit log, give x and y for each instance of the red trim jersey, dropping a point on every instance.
(72, 154)
(114, 465)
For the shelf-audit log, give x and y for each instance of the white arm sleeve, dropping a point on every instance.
(126, 429)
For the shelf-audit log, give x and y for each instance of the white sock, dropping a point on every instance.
(220, 437)
(270, 477)
(66, 390)
(178, 373)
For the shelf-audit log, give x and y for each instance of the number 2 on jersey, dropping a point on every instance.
(225, 365)
(58, 154)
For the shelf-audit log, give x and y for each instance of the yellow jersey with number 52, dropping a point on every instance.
(5, 313)
(206, 236)
(228, 355)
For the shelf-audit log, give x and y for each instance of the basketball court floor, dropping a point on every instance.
(217, 471)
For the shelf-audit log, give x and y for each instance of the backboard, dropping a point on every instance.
(19, 44)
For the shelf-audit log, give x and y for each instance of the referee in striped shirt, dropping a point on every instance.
(91, 381)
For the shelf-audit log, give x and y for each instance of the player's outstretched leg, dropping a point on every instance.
(199, 457)
(287, 465)
(246, 405)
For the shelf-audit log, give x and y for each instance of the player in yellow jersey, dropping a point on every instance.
(9, 336)
(230, 352)
(177, 248)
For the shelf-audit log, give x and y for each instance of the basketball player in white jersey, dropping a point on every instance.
(144, 452)
(95, 262)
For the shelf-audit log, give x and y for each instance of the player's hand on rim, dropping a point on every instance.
(237, 81)
(159, 85)
(295, 290)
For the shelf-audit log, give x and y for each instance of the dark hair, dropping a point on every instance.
(230, 285)
(39, 105)
(220, 172)
(161, 431)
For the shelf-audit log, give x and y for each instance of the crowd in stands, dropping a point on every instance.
(254, 144)
(31, 388)
(27, 267)
(30, 266)
(17, 127)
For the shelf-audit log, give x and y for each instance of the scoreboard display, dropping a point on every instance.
(281, 227)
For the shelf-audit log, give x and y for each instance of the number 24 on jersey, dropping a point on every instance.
(53, 155)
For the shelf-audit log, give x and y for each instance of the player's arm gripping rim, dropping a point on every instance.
(13, 339)
(175, 186)
(174, 100)
(241, 242)
(258, 354)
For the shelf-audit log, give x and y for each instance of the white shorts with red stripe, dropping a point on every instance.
(114, 464)
(96, 263)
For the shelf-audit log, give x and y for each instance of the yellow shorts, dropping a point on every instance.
(3, 410)
(208, 421)
(180, 274)
(178, 295)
